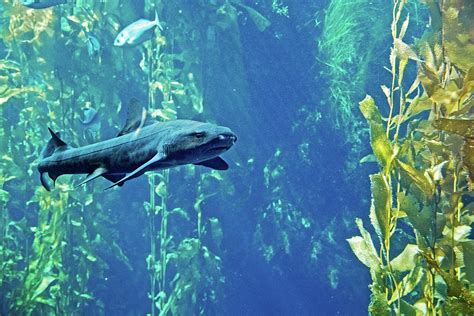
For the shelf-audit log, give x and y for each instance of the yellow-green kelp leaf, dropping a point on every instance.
(468, 156)
(468, 82)
(418, 178)
(460, 233)
(45, 282)
(381, 204)
(419, 105)
(160, 189)
(7, 93)
(364, 249)
(456, 288)
(378, 302)
(468, 251)
(408, 284)
(406, 260)
(420, 220)
(370, 111)
(463, 128)
(378, 137)
(407, 309)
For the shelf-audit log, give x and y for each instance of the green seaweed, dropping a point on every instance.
(421, 182)
(351, 33)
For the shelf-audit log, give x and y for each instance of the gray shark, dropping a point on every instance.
(142, 145)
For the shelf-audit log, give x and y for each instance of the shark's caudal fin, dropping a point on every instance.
(136, 118)
(54, 144)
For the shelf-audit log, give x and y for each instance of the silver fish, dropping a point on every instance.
(41, 4)
(133, 34)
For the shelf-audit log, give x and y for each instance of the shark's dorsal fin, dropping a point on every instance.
(215, 163)
(56, 141)
(136, 118)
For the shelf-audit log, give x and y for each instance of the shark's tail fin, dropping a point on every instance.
(54, 144)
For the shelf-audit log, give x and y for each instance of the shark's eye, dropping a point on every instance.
(198, 134)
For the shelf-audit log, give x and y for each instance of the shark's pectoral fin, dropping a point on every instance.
(215, 163)
(115, 178)
(140, 170)
(94, 174)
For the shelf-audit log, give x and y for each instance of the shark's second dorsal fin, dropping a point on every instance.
(136, 117)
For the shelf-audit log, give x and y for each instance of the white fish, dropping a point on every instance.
(133, 34)
(41, 4)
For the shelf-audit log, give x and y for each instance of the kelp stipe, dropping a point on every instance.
(425, 177)
(51, 249)
(185, 274)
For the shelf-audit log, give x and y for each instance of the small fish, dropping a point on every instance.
(41, 4)
(133, 34)
(89, 115)
(93, 44)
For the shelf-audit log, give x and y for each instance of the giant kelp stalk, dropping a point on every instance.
(352, 31)
(51, 239)
(183, 273)
(422, 207)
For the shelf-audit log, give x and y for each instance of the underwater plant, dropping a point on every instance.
(352, 31)
(422, 207)
(51, 241)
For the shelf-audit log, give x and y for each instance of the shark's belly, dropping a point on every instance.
(118, 159)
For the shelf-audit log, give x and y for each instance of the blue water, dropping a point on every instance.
(264, 86)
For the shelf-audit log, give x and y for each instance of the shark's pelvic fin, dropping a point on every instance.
(94, 174)
(140, 170)
(215, 163)
(136, 118)
(45, 182)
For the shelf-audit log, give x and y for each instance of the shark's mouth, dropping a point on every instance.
(220, 148)
(222, 143)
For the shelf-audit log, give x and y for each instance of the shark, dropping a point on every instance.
(142, 145)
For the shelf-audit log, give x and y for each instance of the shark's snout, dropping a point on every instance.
(223, 142)
(228, 137)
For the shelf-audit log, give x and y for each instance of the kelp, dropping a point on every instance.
(183, 265)
(53, 243)
(49, 76)
(425, 171)
(351, 33)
